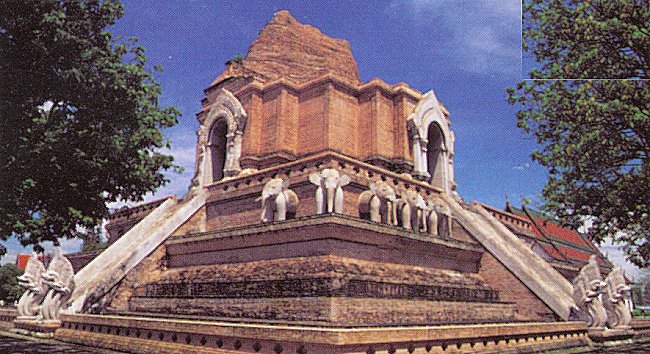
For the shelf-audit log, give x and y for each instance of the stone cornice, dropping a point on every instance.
(301, 168)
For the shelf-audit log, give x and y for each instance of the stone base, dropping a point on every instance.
(32, 327)
(323, 290)
(331, 311)
(611, 337)
(156, 335)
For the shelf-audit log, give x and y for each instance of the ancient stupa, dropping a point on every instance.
(323, 217)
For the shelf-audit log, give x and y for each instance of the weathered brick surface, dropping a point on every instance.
(319, 102)
(150, 269)
(322, 266)
(148, 335)
(267, 284)
(529, 306)
(333, 311)
(297, 52)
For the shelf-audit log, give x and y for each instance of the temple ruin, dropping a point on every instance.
(321, 206)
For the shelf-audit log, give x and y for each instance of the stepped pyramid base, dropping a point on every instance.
(391, 277)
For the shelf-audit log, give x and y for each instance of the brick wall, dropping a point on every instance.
(529, 307)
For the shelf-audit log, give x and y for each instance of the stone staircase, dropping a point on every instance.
(112, 265)
(549, 285)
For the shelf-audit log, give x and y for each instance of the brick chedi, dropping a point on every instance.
(321, 200)
(295, 52)
(302, 93)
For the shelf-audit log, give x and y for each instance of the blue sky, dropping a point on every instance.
(468, 52)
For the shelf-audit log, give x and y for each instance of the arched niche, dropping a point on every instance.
(220, 140)
(218, 144)
(436, 149)
(432, 143)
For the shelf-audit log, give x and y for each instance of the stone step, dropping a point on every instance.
(112, 265)
(549, 285)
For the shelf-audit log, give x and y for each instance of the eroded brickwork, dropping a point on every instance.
(529, 307)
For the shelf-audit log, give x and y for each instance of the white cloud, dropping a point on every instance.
(485, 34)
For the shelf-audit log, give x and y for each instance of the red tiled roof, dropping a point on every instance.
(21, 260)
(562, 233)
(563, 244)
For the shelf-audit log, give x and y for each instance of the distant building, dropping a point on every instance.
(565, 249)
(21, 260)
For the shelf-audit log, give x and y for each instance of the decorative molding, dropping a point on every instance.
(226, 106)
(429, 111)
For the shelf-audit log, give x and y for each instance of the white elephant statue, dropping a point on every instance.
(432, 216)
(587, 288)
(30, 302)
(60, 280)
(329, 194)
(444, 218)
(278, 201)
(412, 208)
(615, 299)
(379, 204)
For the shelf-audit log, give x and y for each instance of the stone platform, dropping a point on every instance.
(154, 335)
(328, 270)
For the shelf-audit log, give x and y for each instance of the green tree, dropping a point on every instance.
(92, 240)
(10, 291)
(80, 123)
(588, 106)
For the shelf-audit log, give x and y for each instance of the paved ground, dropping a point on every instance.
(10, 344)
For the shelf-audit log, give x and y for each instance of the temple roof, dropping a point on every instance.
(562, 243)
(288, 49)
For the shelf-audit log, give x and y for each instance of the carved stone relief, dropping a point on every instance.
(379, 204)
(615, 299)
(30, 302)
(59, 279)
(587, 288)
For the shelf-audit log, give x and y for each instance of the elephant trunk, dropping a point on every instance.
(319, 200)
(330, 199)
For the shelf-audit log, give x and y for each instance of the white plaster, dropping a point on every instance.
(110, 266)
(226, 106)
(427, 112)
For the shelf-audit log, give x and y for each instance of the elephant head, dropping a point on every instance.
(412, 208)
(329, 193)
(277, 200)
(379, 203)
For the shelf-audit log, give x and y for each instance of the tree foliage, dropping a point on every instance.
(588, 106)
(10, 291)
(92, 240)
(79, 118)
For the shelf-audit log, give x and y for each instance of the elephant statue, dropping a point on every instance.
(30, 302)
(60, 280)
(615, 298)
(432, 217)
(329, 194)
(379, 203)
(443, 214)
(278, 201)
(412, 208)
